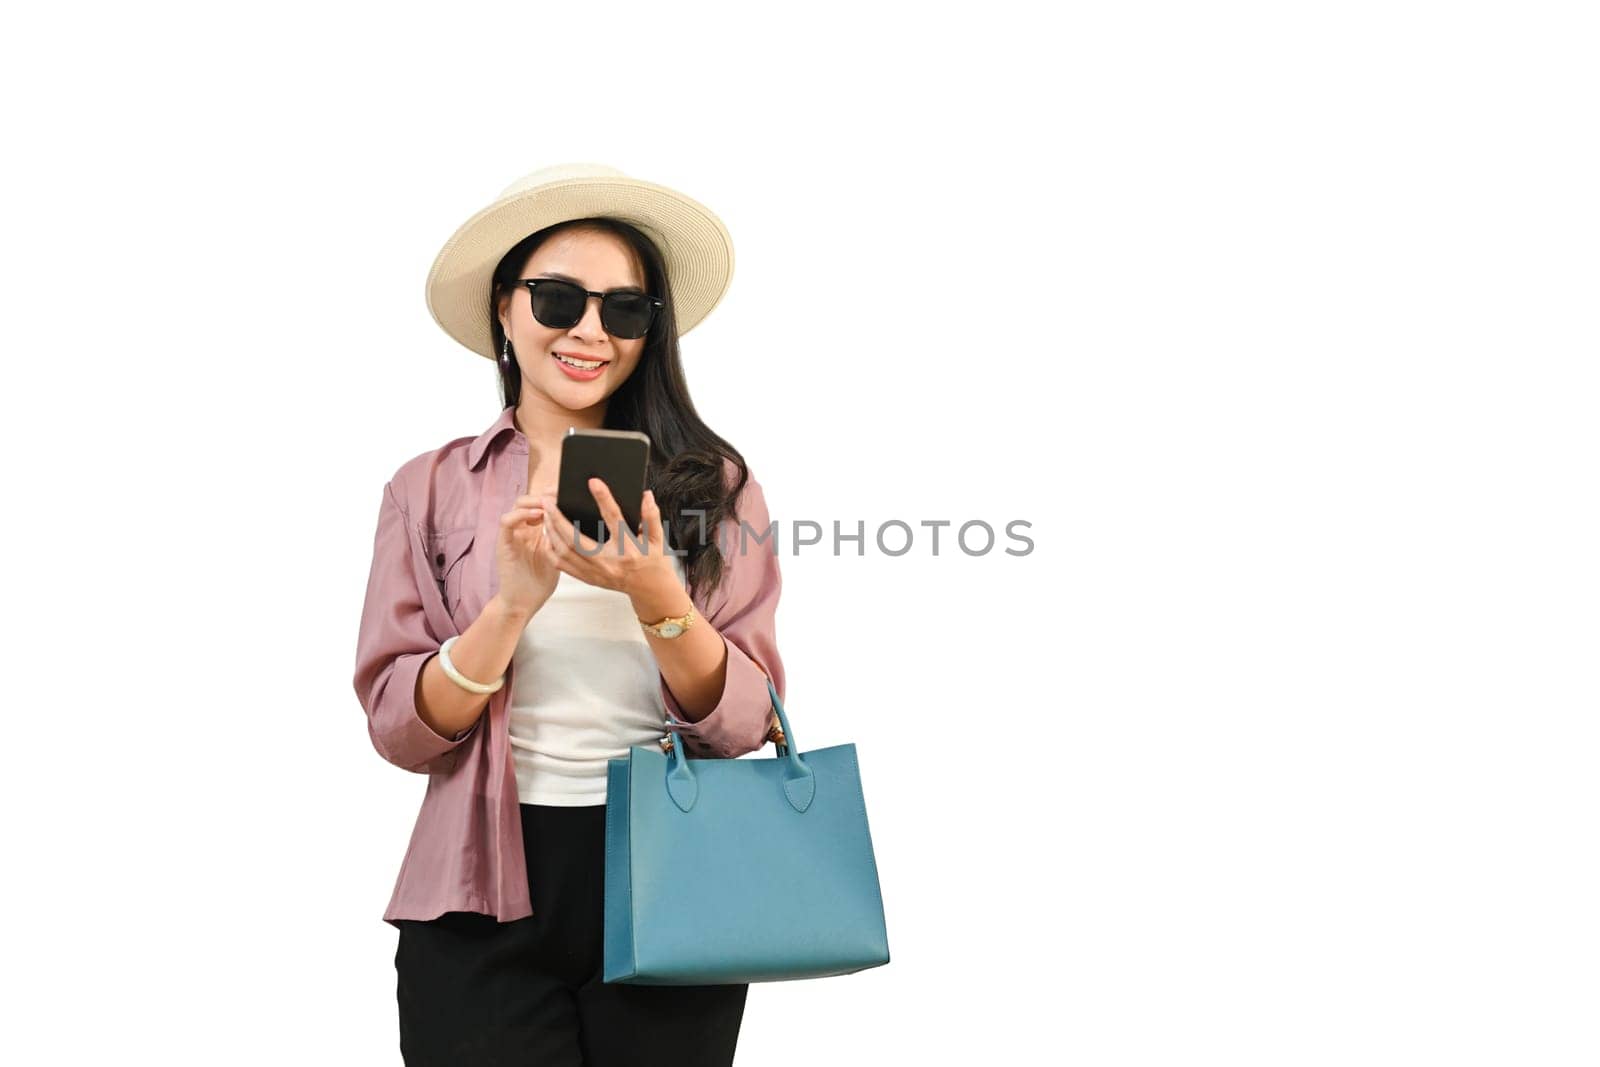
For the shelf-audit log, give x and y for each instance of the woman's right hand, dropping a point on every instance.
(527, 577)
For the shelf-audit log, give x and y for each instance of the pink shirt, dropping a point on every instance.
(433, 571)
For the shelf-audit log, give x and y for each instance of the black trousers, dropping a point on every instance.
(474, 992)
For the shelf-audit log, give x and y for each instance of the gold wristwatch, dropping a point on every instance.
(671, 626)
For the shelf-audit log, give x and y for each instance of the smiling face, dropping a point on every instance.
(597, 261)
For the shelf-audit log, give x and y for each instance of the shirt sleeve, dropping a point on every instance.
(744, 610)
(395, 643)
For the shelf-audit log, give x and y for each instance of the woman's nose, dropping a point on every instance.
(590, 325)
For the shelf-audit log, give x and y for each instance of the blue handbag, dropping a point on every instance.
(739, 870)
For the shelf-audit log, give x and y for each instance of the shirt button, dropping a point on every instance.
(439, 559)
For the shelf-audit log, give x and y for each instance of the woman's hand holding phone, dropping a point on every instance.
(527, 570)
(631, 562)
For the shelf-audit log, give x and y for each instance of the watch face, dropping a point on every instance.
(671, 629)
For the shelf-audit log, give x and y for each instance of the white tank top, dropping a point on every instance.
(586, 688)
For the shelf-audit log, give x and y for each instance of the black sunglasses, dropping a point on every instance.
(625, 313)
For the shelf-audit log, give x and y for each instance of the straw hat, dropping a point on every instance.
(694, 243)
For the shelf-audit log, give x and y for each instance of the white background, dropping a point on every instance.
(1277, 323)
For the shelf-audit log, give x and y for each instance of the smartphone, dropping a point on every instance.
(619, 458)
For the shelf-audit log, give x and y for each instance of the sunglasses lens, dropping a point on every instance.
(627, 315)
(557, 304)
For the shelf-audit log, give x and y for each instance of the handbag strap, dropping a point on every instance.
(783, 720)
(799, 783)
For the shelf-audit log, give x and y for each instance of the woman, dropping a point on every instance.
(509, 666)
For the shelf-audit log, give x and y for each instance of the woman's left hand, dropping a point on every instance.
(622, 563)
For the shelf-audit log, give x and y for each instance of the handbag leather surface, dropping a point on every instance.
(739, 870)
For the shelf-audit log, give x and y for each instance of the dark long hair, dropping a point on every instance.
(687, 458)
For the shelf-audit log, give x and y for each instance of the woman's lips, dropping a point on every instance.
(577, 373)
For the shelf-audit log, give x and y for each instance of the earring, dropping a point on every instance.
(505, 356)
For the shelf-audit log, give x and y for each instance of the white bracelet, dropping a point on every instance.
(460, 679)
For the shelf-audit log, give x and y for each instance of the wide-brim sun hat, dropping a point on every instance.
(694, 244)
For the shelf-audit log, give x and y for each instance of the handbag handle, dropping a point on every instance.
(799, 784)
(783, 720)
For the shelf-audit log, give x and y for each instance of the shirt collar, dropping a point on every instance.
(480, 446)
